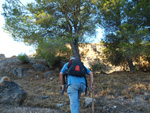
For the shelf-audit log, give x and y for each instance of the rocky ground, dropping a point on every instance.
(15, 109)
(117, 92)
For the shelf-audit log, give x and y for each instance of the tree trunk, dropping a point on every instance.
(75, 49)
(132, 68)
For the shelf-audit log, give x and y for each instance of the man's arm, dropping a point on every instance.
(91, 80)
(61, 80)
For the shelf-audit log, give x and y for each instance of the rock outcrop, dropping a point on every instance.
(14, 67)
(11, 93)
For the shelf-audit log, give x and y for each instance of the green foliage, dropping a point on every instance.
(23, 58)
(125, 29)
(114, 56)
(126, 25)
(43, 20)
(146, 52)
(97, 66)
(53, 51)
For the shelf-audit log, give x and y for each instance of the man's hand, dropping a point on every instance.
(91, 81)
(92, 86)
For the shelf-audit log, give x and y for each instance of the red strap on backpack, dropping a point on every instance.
(70, 62)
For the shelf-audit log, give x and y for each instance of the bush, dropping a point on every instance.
(97, 66)
(23, 58)
(53, 52)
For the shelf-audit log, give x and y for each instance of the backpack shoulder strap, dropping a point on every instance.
(70, 62)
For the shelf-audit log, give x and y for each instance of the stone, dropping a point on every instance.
(48, 73)
(88, 101)
(11, 93)
(39, 67)
(2, 56)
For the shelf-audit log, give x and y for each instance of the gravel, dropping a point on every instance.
(14, 109)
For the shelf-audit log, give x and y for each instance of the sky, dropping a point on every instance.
(9, 47)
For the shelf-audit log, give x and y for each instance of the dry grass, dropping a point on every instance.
(44, 92)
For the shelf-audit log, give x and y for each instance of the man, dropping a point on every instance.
(76, 85)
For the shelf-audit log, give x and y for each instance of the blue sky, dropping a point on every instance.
(9, 47)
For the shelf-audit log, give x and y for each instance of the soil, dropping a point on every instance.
(118, 92)
(15, 109)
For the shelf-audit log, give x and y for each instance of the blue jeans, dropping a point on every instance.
(74, 92)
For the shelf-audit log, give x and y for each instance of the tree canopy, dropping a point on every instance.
(126, 25)
(46, 20)
(50, 24)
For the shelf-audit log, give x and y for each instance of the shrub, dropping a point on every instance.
(53, 51)
(23, 58)
(97, 66)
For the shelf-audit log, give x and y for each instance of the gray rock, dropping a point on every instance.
(20, 72)
(146, 97)
(59, 105)
(88, 101)
(11, 93)
(39, 67)
(2, 56)
(45, 97)
(48, 73)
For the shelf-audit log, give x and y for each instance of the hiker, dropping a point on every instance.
(76, 83)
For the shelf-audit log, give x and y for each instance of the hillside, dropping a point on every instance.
(114, 92)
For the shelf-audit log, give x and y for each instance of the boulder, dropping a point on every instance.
(2, 56)
(11, 93)
(48, 73)
(40, 67)
(88, 101)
